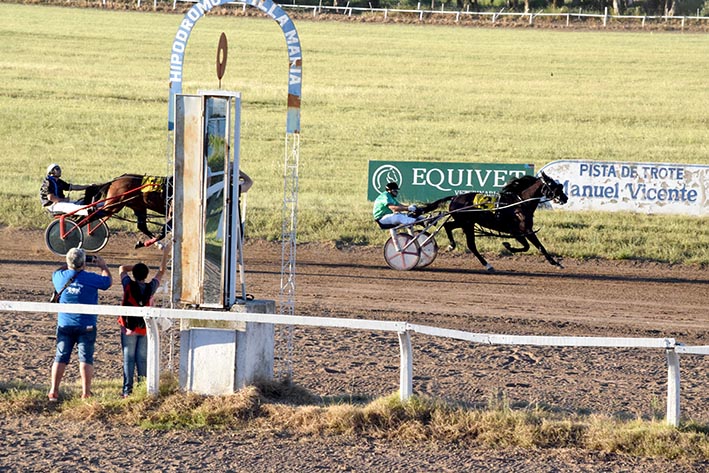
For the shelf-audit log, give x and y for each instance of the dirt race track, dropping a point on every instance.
(526, 296)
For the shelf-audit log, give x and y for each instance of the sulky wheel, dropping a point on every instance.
(429, 249)
(402, 254)
(60, 243)
(95, 236)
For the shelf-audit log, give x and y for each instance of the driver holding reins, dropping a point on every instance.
(387, 210)
(52, 192)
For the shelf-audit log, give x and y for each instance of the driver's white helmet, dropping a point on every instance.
(51, 167)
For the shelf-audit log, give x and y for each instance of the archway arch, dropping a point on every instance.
(292, 142)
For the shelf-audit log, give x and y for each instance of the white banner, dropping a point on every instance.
(652, 188)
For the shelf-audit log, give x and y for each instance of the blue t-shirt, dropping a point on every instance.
(82, 290)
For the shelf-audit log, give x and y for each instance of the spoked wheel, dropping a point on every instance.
(407, 255)
(55, 242)
(429, 249)
(95, 236)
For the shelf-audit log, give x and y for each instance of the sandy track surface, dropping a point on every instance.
(526, 296)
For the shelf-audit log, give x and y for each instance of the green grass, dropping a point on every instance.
(88, 88)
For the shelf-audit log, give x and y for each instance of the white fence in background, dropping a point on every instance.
(569, 17)
(404, 329)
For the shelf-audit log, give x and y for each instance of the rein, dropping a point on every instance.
(473, 208)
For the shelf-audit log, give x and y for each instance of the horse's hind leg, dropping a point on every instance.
(448, 227)
(535, 241)
(469, 231)
(512, 249)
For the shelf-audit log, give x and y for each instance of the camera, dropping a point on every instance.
(90, 259)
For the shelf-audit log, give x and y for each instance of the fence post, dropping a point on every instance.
(153, 369)
(672, 388)
(406, 368)
(605, 17)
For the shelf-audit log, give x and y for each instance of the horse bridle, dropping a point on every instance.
(547, 190)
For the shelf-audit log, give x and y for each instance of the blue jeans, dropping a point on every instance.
(82, 336)
(135, 355)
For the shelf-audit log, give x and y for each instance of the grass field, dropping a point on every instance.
(89, 89)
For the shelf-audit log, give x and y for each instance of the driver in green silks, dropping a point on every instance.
(389, 211)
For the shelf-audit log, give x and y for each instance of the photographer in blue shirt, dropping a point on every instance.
(77, 286)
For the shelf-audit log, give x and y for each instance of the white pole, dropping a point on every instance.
(153, 368)
(673, 388)
(406, 368)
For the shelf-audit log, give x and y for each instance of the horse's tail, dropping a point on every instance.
(434, 205)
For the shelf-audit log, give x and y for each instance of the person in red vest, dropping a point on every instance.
(137, 292)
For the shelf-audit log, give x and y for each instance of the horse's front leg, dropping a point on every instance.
(142, 219)
(512, 249)
(469, 231)
(535, 241)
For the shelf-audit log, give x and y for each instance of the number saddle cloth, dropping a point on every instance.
(486, 201)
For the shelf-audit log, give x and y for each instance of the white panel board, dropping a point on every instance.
(652, 188)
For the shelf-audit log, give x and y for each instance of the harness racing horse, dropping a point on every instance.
(140, 194)
(512, 217)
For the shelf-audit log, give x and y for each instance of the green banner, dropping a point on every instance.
(426, 182)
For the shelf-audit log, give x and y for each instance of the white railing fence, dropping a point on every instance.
(404, 330)
(460, 15)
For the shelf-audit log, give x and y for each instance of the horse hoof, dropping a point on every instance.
(489, 268)
(450, 248)
(140, 244)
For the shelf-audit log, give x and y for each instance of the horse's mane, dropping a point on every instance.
(519, 184)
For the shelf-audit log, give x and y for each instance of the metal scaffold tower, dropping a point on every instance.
(288, 245)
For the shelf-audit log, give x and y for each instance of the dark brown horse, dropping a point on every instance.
(140, 194)
(513, 216)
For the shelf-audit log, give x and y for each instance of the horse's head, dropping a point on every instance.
(553, 190)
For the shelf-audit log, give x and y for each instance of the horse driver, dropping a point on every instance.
(386, 211)
(52, 192)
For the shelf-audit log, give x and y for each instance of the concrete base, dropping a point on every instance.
(220, 360)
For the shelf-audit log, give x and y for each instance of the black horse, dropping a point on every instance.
(513, 216)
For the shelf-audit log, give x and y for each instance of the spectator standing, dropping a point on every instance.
(137, 292)
(77, 286)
